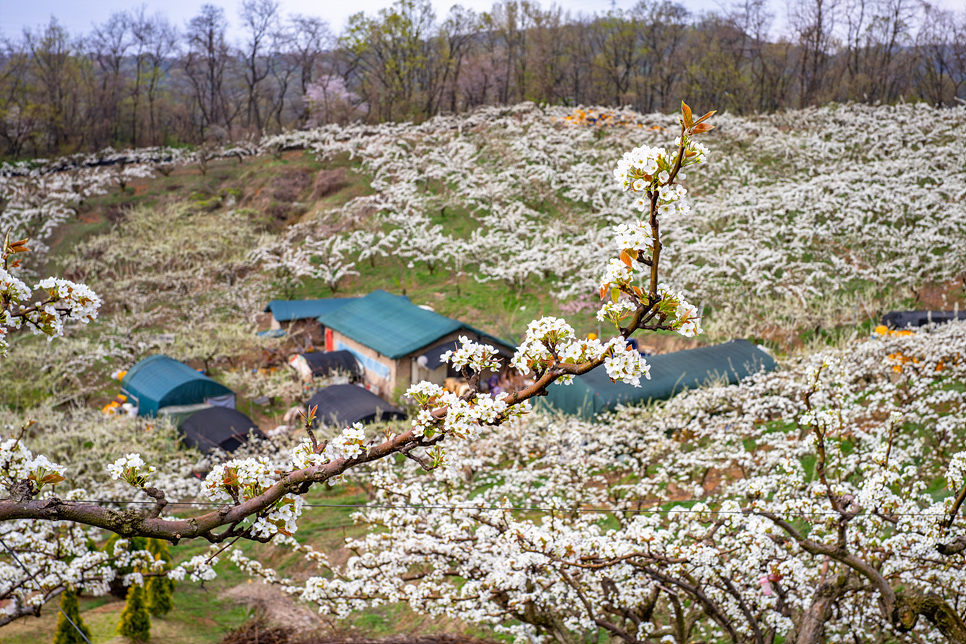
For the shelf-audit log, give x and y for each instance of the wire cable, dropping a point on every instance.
(512, 508)
(34, 579)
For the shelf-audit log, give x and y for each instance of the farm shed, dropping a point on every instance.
(389, 335)
(218, 427)
(291, 310)
(159, 381)
(294, 316)
(342, 405)
(906, 319)
(671, 373)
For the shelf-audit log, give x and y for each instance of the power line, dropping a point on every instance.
(34, 579)
(516, 508)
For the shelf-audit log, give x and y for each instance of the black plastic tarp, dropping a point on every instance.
(218, 427)
(671, 373)
(328, 363)
(905, 319)
(341, 405)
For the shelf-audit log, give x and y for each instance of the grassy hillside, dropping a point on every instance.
(788, 246)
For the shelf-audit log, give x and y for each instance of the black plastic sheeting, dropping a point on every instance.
(218, 427)
(328, 363)
(905, 319)
(342, 405)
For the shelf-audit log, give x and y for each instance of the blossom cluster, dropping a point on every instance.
(623, 362)
(648, 170)
(683, 315)
(198, 569)
(615, 312)
(66, 301)
(281, 519)
(617, 275)
(17, 463)
(474, 355)
(12, 292)
(552, 342)
(55, 555)
(348, 444)
(129, 468)
(956, 472)
(676, 313)
(240, 480)
(633, 238)
(464, 418)
(643, 168)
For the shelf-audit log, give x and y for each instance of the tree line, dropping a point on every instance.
(140, 80)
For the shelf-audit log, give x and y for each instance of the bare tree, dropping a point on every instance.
(941, 66)
(715, 67)
(505, 26)
(109, 44)
(812, 22)
(664, 27)
(458, 32)
(283, 67)
(580, 57)
(309, 38)
(205, 64)
(153, 42)
(766, 61)
(52, 69)
(547, 67)
(260, 19)
(889, 36)
(17, 122)
(615, 38)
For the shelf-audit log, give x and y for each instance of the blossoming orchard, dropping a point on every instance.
(819, 502)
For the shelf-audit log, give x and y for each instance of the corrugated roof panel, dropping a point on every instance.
(288, 310)
(390, 324)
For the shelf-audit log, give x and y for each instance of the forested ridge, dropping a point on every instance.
(140, 80)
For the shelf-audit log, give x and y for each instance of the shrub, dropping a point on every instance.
(135, 619)
(68, 633)
(160, 590)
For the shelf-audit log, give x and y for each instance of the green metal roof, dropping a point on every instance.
(392, 325)
(671, 373)
(159, 381)
(288, 310)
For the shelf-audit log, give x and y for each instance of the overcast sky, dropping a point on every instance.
(78, 15)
